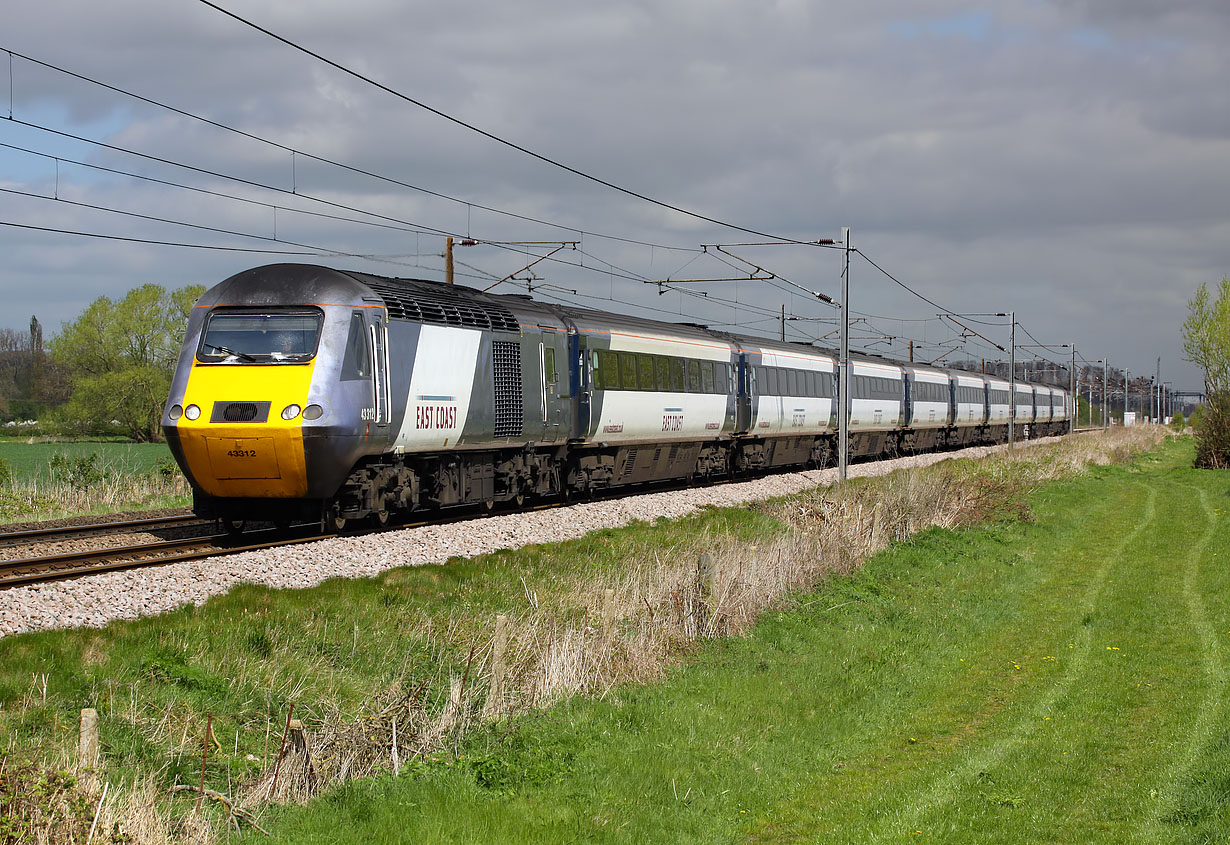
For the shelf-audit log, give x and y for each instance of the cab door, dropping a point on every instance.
(554, 393)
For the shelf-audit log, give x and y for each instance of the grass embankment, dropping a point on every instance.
(1062, 680)
(49, 479)
(934, 691)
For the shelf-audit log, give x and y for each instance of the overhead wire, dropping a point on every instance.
(196, 189)
(294, 151)
(418, 228)
(155, 242)
(413, 227)
(489, 135)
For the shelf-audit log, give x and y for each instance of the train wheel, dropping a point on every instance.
(381, 518)
(336, 524)
(234, 527)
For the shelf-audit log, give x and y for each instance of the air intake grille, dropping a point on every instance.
(422, 302)
(240, 412)
(509, 407)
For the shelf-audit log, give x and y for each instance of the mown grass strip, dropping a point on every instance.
(1009, 683)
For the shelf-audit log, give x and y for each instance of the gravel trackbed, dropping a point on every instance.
(93, 601)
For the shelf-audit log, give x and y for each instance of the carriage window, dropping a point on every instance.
(677, 375)
(605, 366)
(627, 367)
(693, 376)
(661, 373)
(770, 382)
(706, 377)
(644, 367)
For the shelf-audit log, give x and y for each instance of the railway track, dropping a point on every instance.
(77, 562)
(33, 536)
(71, 563)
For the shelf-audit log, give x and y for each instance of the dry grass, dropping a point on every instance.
(40, 499)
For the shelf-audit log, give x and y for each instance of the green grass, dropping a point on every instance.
(79, 477)
(246, 656)
(1056, 681)
(31, 462)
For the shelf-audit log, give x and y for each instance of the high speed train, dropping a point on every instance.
(304, 392)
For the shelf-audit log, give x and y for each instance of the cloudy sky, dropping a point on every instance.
(1066, 159)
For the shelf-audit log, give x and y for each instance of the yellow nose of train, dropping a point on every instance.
(241, 429)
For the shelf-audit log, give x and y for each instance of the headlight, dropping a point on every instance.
(313, 412)
(176, 412)
(192, 412)
(290, 411)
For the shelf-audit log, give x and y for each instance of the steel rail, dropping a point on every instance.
(93, 561)
(32, 535)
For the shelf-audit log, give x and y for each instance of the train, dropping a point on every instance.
(304, 392)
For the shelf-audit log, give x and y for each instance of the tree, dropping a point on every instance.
(121, 356)
(1206, 343)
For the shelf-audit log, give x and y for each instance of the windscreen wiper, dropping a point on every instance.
(226, 351)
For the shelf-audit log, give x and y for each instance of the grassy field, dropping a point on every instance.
(1059, 679)
(31, 462)
(1062, 680)
(49, 479)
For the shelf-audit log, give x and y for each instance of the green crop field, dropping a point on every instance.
(31, 462)
(45, 480)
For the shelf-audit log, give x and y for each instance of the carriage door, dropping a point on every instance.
(743, 396)
(580, 382)
(379, 336)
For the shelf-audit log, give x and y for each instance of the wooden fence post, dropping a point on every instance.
(706, 579)
(495, 697)
(87, 752)
(608, 612)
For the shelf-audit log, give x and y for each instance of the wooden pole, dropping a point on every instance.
(281, 751)
(87, 752)
(209, 726)
(495, 699)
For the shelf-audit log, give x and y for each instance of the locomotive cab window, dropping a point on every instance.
(247, 337)
(357, 363)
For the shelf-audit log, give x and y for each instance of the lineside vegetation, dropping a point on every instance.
(45, 480)
(438, 676)
(1206, 343)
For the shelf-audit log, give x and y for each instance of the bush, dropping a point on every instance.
(1213, 433)
(166, 468)
(81, 472)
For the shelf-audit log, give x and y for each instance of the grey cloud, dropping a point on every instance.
(1035, 162)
